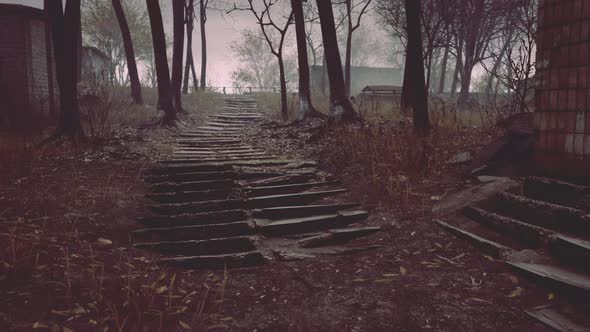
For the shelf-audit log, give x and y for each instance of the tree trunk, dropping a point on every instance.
(161, 62)
(340, 107)
(203, 20)
(178, 44)
(189, 44)
(348, 50)
(324, 77)
(129, 53)
(443, 71)
(195, 80)
(497, 64)
(65, 29)
(284, 110)
(463, 99)
(305, 106)
(415, 69)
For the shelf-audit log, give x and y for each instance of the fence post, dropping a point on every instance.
(223, 90)
(274, 89)
(250, 89)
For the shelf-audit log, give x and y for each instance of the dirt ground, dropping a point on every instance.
(66, 263)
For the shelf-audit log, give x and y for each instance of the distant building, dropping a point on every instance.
(360, 78)
(28, 85)
(95, 65)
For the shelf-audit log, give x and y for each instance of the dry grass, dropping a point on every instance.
(385, 161)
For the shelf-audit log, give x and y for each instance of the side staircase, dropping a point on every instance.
(541, 228)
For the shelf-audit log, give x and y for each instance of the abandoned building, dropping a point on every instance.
(28, 83)
(95, 66)
(562, 116)
(28, 87)
(360, 77)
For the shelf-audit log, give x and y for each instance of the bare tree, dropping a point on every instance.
(265, 21)
(305, 105)
(178, 44)
(161, 62)
(352, 25)
(415, 69)
(340, 107)
(203, 20)
(189, 61)
(129, 52)
(66, 33)
(476, 25)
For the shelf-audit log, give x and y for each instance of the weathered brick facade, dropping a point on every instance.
(28, 86)
(562, 116)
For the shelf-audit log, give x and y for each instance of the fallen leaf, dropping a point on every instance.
(162, 289)
(551, 296)
(402, 270)
(390, 274)
(516, 292)
(104, 241)
(513, 279)
(184, 325)
(38, 325)
(490, 258)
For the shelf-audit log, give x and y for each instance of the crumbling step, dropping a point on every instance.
(246, 259)
(308, 224)
(190, 196)
(193, 176)
(494, 248)
(556, 320)
(201, 247)
(575, 252)
(168, 187)
(531, 234)
(205, 218)
(285, 189)
(336, 236)
(189, 159)
(251, 203)
(290, 199)
(282, 212)
(544, 214)
(197, 154)
(555, 275)
(194, 232)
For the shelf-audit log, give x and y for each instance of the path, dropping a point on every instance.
(220, 202)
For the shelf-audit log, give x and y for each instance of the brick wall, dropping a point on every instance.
(27, 98)
(13, 95)
(562, 115)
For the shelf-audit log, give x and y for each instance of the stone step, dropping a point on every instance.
(194, 232)
(309, 224)
(198, 207)
(290, 199)
(201, 247)
(188, 159)
(555, 276)
(544, 214)
(205, 218)
(494, 248)
(285, 189)
(558, 321)
(189, 168)
(572, 251)
(533, 235)
(297, 211)
(246, 259)
(336, 236)
(167, 187)
(189, 196)
(190, 177)
(557, 192)
(201, 154)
